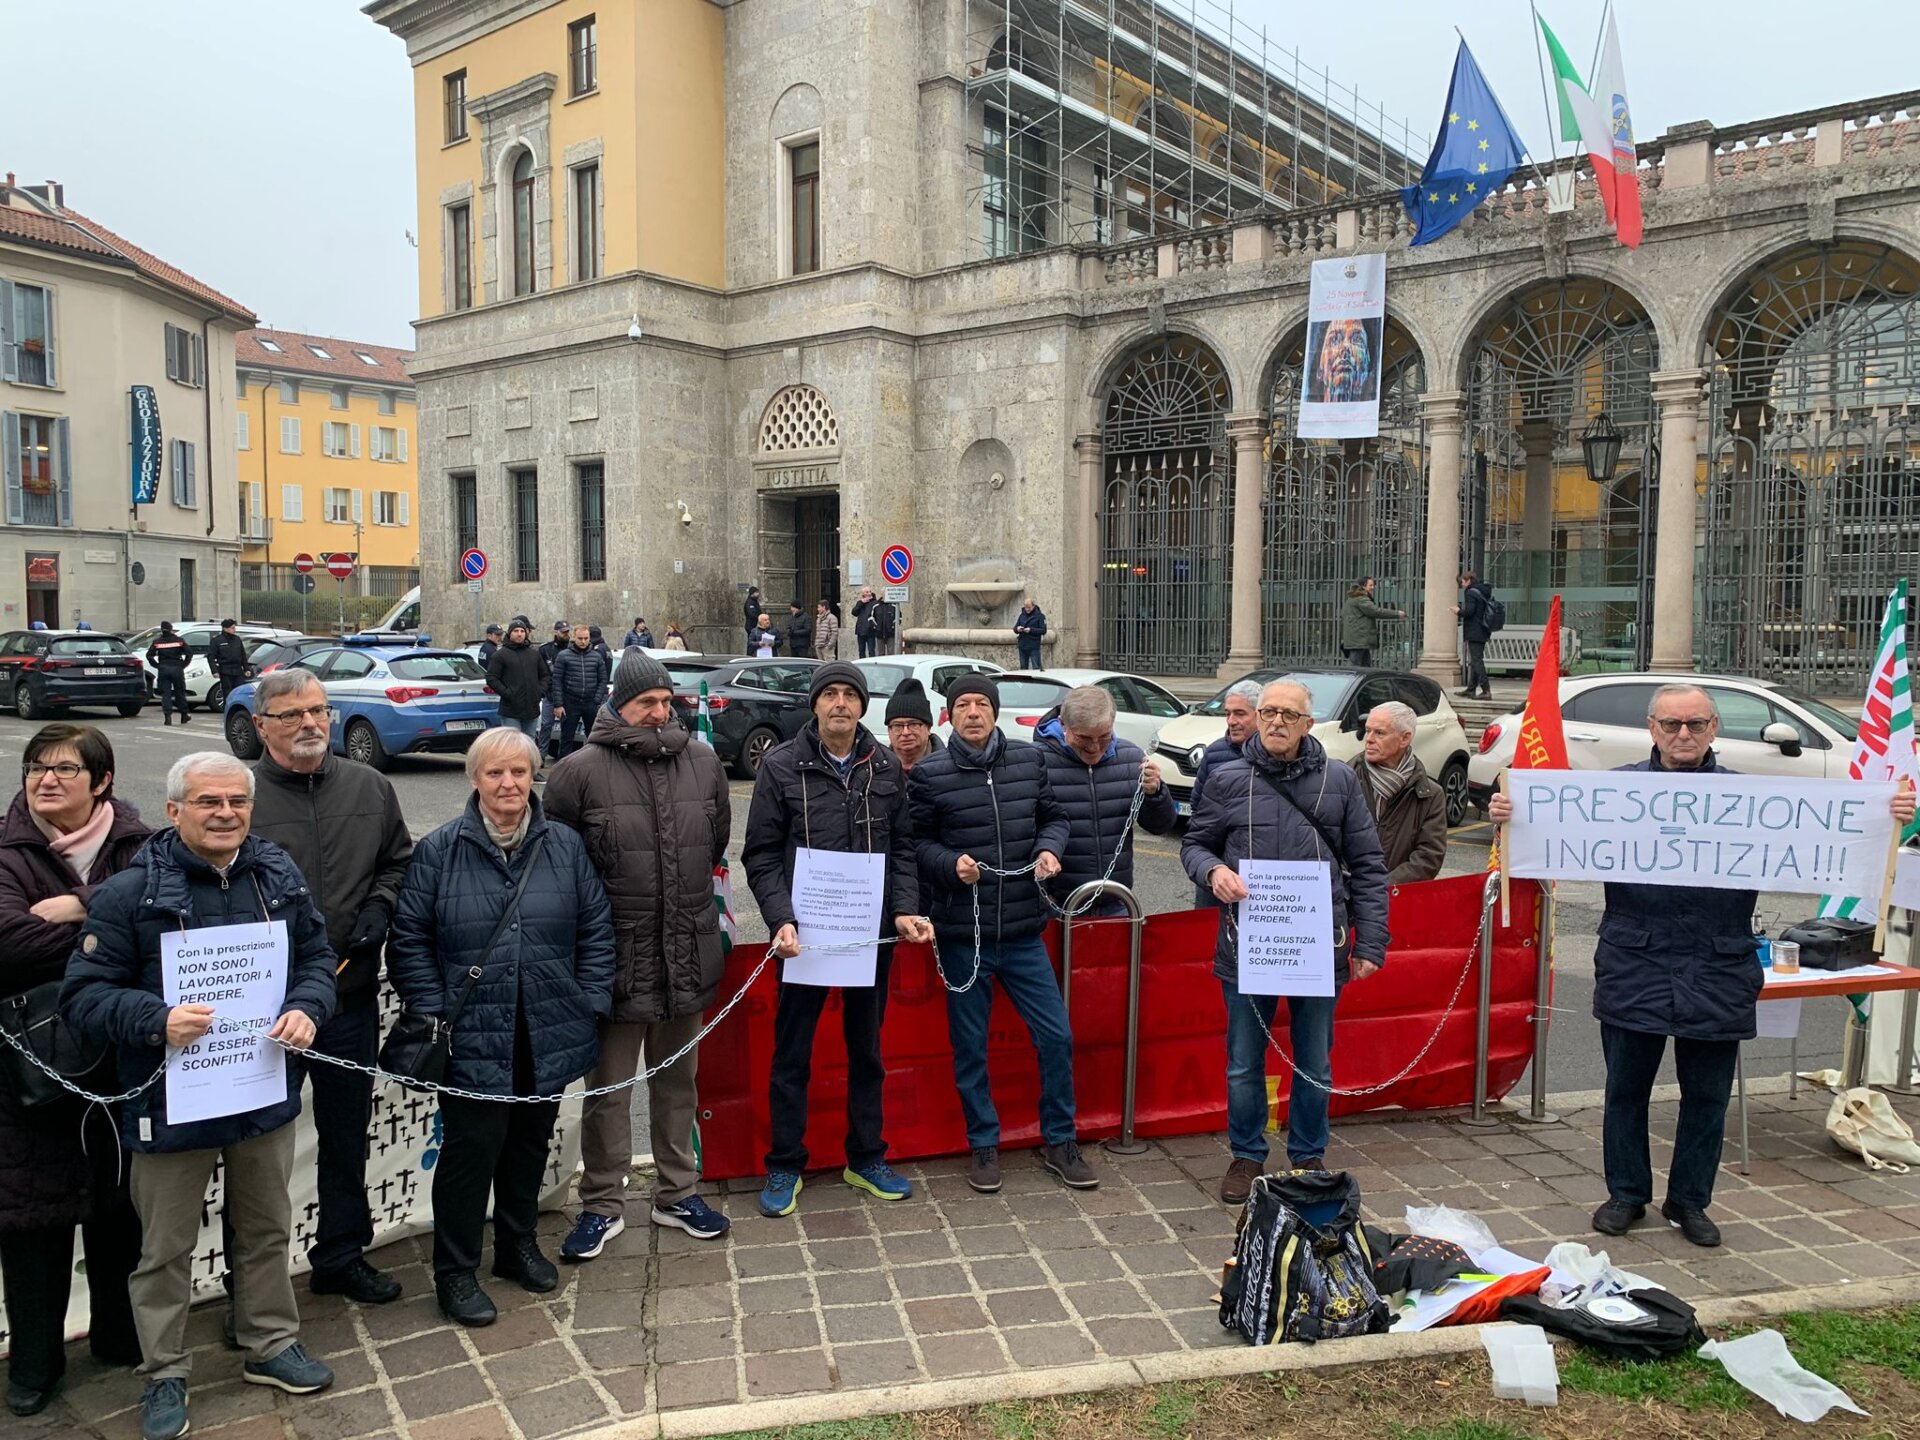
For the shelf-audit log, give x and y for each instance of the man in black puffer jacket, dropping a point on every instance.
(578, 688)
(1094, 774)
(980, 808)
(520, 675)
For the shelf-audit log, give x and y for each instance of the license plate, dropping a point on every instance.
(1182, 809)
(103, 670)
(464, 725)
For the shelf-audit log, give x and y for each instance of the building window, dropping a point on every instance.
(386, 402)
(290, 435)
(26, 334)
(39, 470)
(1015, 200)
(293, 503)
(523, 223)
(186, 361)
(593, 521)
(340, 396)
(1102, 206)
(583, 57)
(181, 456)
(389, 444)
(337, 505)
(803, 207)
(390, 507)
(454, 93)
(460, 247)
(289, 392)
(318, 351)
(466, 512)
(268, 345)
(341, 440)
(365, 359)
(586, 222)
(242, 431)
(253, 512)
(526, 524)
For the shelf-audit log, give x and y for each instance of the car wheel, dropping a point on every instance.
(754, 749)
(25, 706)
(216, 696)
(363, 744)
(1453, 780)
(242, 738)
(131, 709)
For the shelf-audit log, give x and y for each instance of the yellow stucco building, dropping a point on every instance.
(326, 431)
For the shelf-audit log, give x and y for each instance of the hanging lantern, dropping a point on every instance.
(1600, 443)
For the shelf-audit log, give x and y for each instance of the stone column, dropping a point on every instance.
(1445, 412)
(1536, 514)
(1090, 452)
(1677, 393)
(1245, 647)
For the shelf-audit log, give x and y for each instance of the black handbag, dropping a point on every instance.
(32, 1021)
(420, 1047)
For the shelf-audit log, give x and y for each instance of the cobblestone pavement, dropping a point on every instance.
(852, 1293)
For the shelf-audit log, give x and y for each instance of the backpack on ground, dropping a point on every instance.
(1302, 1268)
(1493, 613)
(1651, 1324)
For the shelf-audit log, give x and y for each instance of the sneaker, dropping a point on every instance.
(694, 1216)
(163, 1409)
(1237, 1184)
(589, 1236)
(292, 1370)
(1616, 1217)
(522, 1262)
(983, 1171)
(1070, 1165)
(462, 1300)
(781, 1194)
(358, 1281)
(1693, 1224)
(878, 1180)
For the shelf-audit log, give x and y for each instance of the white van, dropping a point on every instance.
(403, 617)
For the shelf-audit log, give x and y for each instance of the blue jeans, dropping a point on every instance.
(1023, 970)
(1310, 1021)
(544, 734)
(1029, 654)
(525, 727)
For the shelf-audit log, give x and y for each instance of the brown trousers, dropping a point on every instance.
(606, 1126)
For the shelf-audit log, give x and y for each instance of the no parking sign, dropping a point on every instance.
(896, 563)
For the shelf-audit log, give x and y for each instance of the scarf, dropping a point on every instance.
(1388, 783)
(80, 848)
(508, 840)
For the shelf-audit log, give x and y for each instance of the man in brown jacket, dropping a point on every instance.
(1407, 803)
(652, 805)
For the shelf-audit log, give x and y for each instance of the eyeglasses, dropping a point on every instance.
(296, 717)
(214, 804)
(1286, 717)
(66, 770)
(1695, 726)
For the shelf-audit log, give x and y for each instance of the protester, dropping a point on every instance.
(1094, 775)
(168, 655)
(227, 654)
(1242, 699)
(578, 687)
(639, 634)
(1360, 623)
(863, 626)
(799, 630)
(985, 801)
(489, 645)
(750, 609)
(826, 632)
(910, 725)
(1673, 960)
(676, 637)
(340, 821)
(519, 673)
(1029, 627)
(1474, 632)
(764, 642)
(1282, 800)
(1408, 806)
(831, 787)
(654, 807)
(60, 1163)
(559, 640)
(206, 873)
(503, 891)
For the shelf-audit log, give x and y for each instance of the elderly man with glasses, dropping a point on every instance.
(1283, 800)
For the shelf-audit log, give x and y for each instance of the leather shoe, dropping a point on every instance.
(358, 1281)
(23, 1401)
(1693, 1224)
(1237, 1184)
(523, 1263)
(983, 1169)
(1616, 1217)
(462, 1300)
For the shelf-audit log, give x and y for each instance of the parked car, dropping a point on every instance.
(43, 671)
(203, 686)
(1341, 699)
(935, 672)
(753, 704)
(387, 700)
(1766, 728)
(1140, 706)
(275, 651)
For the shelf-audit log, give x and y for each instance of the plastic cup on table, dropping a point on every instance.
(1786, 957)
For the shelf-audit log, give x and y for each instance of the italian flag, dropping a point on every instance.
(1599, 118)
(1885, 749)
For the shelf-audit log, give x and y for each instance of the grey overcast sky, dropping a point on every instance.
(265, 145)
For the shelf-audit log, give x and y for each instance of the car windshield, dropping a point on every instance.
(87, 645)
(452, 666)
(1848, 730)
(1328, 689)
(1030, 694)
(885, 679)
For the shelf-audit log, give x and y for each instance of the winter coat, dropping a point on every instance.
(45, 1177)
(228, 654)
(488, 649)
(1360, 622)
(750, 609)
(1214, 756)
(997, 805)
(113, 988)
(343, 827)
(826, 636)
(1473, 613)
(169, 652)
(580, 679)
(653, 808)
(552, 968)
(1678, 959)
(799, 634)
(800, 799)
(1028, 628)
(863, 617)
(1412, 825)
(519, 675)
(1095, 800)
(642, 638)
(1219, 835)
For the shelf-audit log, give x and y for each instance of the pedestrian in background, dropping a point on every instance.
(1029, 628)
(1407, 804)
(750, 609)
(550, 651)
(826, 632)
(1360, 621)
(639, 634)
(799, 630)
(490, 644)
(864, 633)
(1238, 705)
(597, 638)
(1094, 775)
(676, 637)
(520, 675)
(168, 655)
(579, 687)
(1475, 595)
(227, 654)
(765, 641)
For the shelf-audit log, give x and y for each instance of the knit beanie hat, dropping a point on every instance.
(637, 673)
(909, 702)
(975, 685)
(838, 672)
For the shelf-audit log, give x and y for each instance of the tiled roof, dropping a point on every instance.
(345, 364)
(72, 231)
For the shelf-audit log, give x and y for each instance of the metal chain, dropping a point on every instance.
(66, 1084)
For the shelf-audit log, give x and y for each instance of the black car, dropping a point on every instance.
(42, 671)
(754, 705)
(276, 652)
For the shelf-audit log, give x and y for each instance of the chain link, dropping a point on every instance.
(66, 1084)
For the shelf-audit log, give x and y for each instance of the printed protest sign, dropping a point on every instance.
(837, 899)
(1286, 928)
(1346, 357)
(241, 971)
(1721, 832)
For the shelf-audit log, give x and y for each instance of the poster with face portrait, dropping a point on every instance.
(1340, 379)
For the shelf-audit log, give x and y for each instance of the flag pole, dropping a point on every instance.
(1500, 839)
(1498, 106)
(1546, 101)
(1886, 883)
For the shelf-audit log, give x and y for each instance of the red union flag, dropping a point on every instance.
(1542, 743)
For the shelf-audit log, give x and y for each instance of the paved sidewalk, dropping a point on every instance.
(853, 1295)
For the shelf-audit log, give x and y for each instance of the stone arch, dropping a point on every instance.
(1295, 324)
(1453, 354)
(798, 110)
(534, 148)
(798, 419)
(1109, 362)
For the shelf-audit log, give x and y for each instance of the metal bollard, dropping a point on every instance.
(1136, 919)
(1537, 1112)
(1483, 1018)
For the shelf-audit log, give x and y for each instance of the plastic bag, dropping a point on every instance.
(1462, 1227)
(1578, 1272)
(1762, 1363)
(1864, 1122)
(1523, 1363)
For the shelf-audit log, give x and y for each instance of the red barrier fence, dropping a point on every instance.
(1182, 1085)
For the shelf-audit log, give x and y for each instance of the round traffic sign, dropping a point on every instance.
(896, 563)
(473, 564)
(339, 566)
(303, 584)
(303, 563)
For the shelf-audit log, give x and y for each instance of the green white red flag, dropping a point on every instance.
(1599, 118)
(1885, 749)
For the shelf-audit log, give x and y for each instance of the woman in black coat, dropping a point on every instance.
(60, 1164)
(530, 1025)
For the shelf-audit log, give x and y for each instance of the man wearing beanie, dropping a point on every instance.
(831, 787)
(652, 805)
(985, 802)
(519, 674)
(910, 725)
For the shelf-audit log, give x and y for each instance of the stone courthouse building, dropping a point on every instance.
(718, 292)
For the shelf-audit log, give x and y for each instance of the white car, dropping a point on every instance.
(1765, 728)
(203, 686)
(934, 672)
(1140, 706)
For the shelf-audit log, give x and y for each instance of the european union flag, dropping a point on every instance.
(1476, 152)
